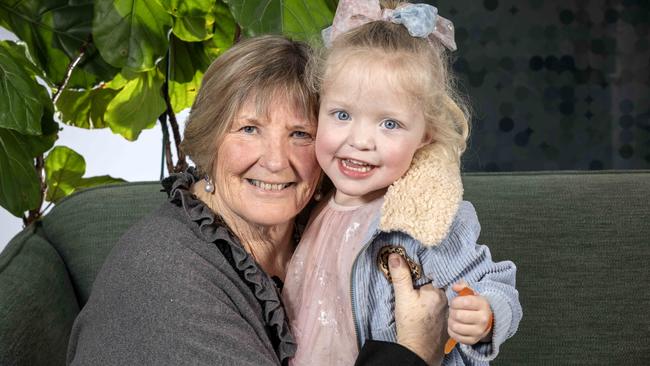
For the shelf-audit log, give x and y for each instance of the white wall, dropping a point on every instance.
(105, 154)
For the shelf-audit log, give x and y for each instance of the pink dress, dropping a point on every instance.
(316, 291)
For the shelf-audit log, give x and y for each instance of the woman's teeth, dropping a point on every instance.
(268, 186)
(357, 166)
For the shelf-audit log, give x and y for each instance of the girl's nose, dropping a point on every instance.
(361, 136)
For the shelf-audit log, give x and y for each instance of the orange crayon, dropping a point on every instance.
(451, 343)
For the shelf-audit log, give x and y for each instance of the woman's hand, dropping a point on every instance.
(420, 315)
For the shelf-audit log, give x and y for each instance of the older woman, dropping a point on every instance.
(197, 281)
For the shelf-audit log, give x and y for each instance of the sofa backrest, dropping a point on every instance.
(580, 241)
(84, 227)
(47, 270)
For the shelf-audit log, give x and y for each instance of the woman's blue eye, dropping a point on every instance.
(249, 129)
(342, 115)
(389, 124)
(301, 134)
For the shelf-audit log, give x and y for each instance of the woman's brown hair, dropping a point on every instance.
(263, 68)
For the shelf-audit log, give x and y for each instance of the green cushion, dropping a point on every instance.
(84, 227)
(38, 304)
(581, 245)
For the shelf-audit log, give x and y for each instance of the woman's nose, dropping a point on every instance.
(275, 155)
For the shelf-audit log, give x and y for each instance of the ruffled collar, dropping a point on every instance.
(213, 229)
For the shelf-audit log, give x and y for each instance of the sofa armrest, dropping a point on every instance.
(37, 302)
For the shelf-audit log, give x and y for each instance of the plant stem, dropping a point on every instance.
(36, 213)
(181, 163)
(237, 36)
(68, 73)
(166, 143)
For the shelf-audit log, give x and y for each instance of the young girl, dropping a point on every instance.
(390, 136)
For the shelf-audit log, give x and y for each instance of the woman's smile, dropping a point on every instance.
(269, 186)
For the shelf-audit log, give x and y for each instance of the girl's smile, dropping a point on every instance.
(369, 129)
(355, 168)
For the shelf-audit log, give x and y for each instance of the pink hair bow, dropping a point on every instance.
(421, 20)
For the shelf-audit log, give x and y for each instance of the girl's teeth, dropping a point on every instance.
(268, 186)
(356, 166)
(356, 162)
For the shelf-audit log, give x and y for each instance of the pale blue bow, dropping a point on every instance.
(421, 20)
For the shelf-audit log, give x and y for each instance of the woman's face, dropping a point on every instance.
(266, 169)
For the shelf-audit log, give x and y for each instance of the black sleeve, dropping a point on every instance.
(378, 353)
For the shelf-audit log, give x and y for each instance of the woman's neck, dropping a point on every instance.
(270, 246)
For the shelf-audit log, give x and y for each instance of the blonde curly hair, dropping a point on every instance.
(422, 68)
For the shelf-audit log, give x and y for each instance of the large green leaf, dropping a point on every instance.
(301, 19)
(54, 32)
(193, 29)
(37, 145)
(63, 170)
(331, 5)
(19, 52)
(19, 185)
(193, 19)
(224, 32)
(85, 108)
(20, 105)
(96, 65)
(131, 33)
(137, 105)
(188, 63)
(180, 8)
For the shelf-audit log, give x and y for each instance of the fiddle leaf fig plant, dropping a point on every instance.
(124, 65)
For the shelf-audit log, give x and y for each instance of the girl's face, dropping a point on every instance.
(368, 131)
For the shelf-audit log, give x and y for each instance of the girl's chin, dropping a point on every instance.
(356, 197)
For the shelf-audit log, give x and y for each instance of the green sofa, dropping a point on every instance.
(581, 242)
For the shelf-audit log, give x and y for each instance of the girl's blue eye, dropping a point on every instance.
(249, 129)
(342, 115)
(389, 124)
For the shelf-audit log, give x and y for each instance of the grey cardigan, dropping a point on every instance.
(179, 289)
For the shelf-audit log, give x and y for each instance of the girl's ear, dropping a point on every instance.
(427, 138)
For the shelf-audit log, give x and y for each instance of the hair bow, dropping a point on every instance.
(421, 20)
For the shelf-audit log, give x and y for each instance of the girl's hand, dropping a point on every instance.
(420, 315)
(470, 317)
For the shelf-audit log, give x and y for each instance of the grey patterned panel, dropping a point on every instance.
(554, 84)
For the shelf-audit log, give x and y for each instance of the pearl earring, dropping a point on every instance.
(318, 196)
(209, 186)
(319, 190)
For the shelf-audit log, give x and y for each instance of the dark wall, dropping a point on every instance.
(554, 84)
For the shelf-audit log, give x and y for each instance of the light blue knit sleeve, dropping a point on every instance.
(459, 256)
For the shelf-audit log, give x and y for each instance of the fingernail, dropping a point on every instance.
(393, 261)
